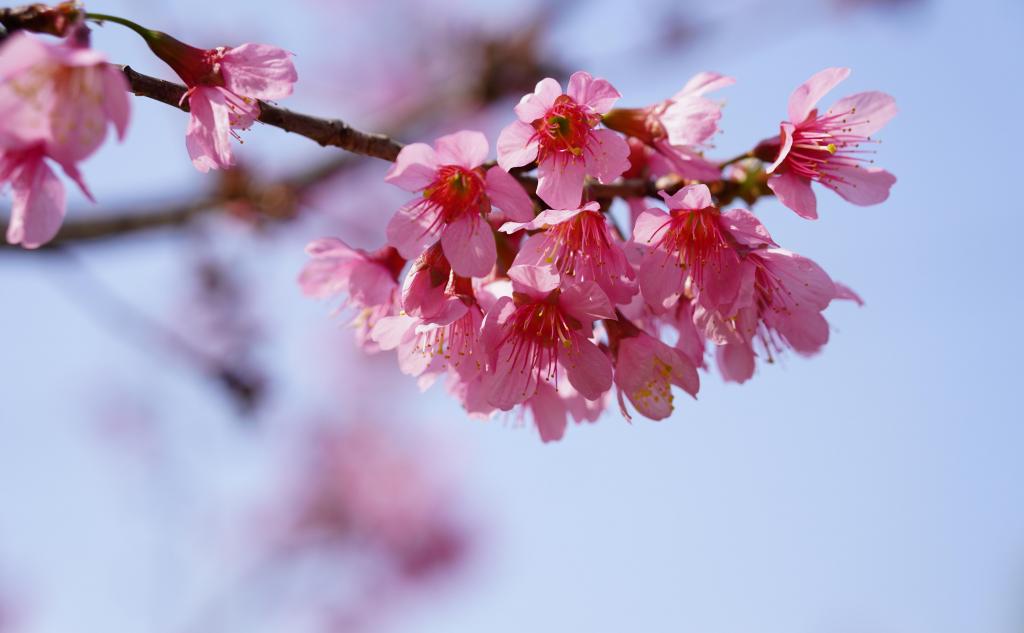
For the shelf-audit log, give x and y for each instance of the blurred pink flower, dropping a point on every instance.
(457, 197)
(55, 102)
(361, 488)
(827, 147)
(559, 131)
(369, 280)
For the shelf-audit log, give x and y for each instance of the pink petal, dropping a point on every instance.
(722, 282)
(746, 228)
(687, 163)
(735, 362)
(694, 197)
(466, 148)
(806, 331)
(596, 93)
(588, 368)
(786, 144)
(78, 115)
(607, 157)
(510, 383)
(795, 192)
(650, 225)
(468, 243)
(807, 95)
(75, 175)
(116, 102)
(560, 182)
(861, 185)
(259, 71)
(551, 217)
(690, 342)
(549, 413)
(807, 284)
(508, 195)
(661, 280)
(703, 83)
(390, 331)
(491, 331)
(535, 281)
(517, 146)
(844, 292)
(586, 301)
(415, 168)
(330, 246)
(38, 204)
(536, 104)
(370, 284)
(690, 123)
(20, 51)
(208, 134)
(411, 229)
(869, 111)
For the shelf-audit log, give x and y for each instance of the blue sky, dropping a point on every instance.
(873, 489)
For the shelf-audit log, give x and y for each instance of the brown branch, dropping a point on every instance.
(39, 18)
(326, 132)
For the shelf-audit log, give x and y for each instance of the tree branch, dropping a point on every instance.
(326, 132)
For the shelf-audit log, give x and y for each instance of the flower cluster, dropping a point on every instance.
(523, 293)
(56, 100)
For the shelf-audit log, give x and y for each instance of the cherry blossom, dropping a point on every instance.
(559, 131)
(829, 147)
(56, 101)
(456, 199)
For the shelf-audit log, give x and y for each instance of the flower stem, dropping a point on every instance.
(100, 17)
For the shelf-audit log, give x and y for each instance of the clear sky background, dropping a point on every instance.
(876, 488)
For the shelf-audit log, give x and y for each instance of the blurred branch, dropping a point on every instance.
(245, 386)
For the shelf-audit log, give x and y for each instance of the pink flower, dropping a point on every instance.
(432, 292)
(559, 131)
(542, 332)
(680, 128)
(362, 489)
(457, 197)
(694, 242)
(827, 147)
(369, 280)
(578, 244)
(646, 369)
(55, 102)
(224, 85)
(785, 295)
(426, 350)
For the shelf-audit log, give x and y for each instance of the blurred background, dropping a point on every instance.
(189, 445)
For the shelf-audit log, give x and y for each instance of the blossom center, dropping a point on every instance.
(578, 247)
(825, 145)
(697, 239)
(565, 129)
(456, 191)
(535, 332)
